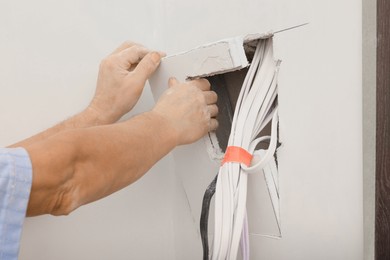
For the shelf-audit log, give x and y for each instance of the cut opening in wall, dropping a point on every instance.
(225, 64)
(228, 86)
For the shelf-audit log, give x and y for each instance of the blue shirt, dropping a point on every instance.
(15, 187)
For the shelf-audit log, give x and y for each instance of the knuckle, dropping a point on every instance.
(144, 50)
(135, 48)
(196, 84)
(127, 44)
(103, 62)
(107, 63)
(131, 53)
(130, 44)
(139, 50)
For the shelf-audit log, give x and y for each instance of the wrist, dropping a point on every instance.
(165, 127)
(93, 117)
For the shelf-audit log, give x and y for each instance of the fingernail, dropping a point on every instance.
(155, 57)
(171, 80)
(162, 54)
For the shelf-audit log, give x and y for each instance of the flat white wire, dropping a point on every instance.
(241, 204)
(255, 108)
(219, 251)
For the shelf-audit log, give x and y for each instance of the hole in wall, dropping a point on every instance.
(228, 86)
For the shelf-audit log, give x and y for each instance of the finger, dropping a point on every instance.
(173, 82)
(202, 84)
(162, 54)
(133, 55)
(147, 66)
(213, 110)
(125, 45)
(213, 124)
(211, 97)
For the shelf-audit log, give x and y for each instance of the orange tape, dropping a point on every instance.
(238, 155)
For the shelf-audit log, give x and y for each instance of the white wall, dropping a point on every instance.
(49, 57)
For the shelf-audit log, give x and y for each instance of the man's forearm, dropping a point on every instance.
(112, 157)
(80, 166)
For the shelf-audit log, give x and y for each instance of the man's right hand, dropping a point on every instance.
(190, 108)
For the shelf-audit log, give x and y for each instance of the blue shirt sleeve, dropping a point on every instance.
(15, 187)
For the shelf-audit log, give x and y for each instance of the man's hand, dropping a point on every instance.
(190, 107)
(122, 77)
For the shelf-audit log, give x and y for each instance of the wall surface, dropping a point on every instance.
(50, 53)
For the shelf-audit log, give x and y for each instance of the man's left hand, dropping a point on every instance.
(122, 77)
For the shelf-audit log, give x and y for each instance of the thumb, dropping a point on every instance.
(172, 82)
(147, 66)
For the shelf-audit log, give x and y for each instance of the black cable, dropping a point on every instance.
(225, 118)
(204, 216)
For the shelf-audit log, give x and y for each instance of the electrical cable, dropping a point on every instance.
(256, 107)
(204, 217)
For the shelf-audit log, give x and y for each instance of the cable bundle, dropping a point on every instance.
(256, 107)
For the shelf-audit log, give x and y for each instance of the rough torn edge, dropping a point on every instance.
(237, 45)
(213, 149)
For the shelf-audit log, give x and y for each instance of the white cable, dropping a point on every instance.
(255, 108)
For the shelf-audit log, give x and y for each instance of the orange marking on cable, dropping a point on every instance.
(238, 155)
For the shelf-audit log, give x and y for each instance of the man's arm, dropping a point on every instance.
(79, 166)
(122, 76)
